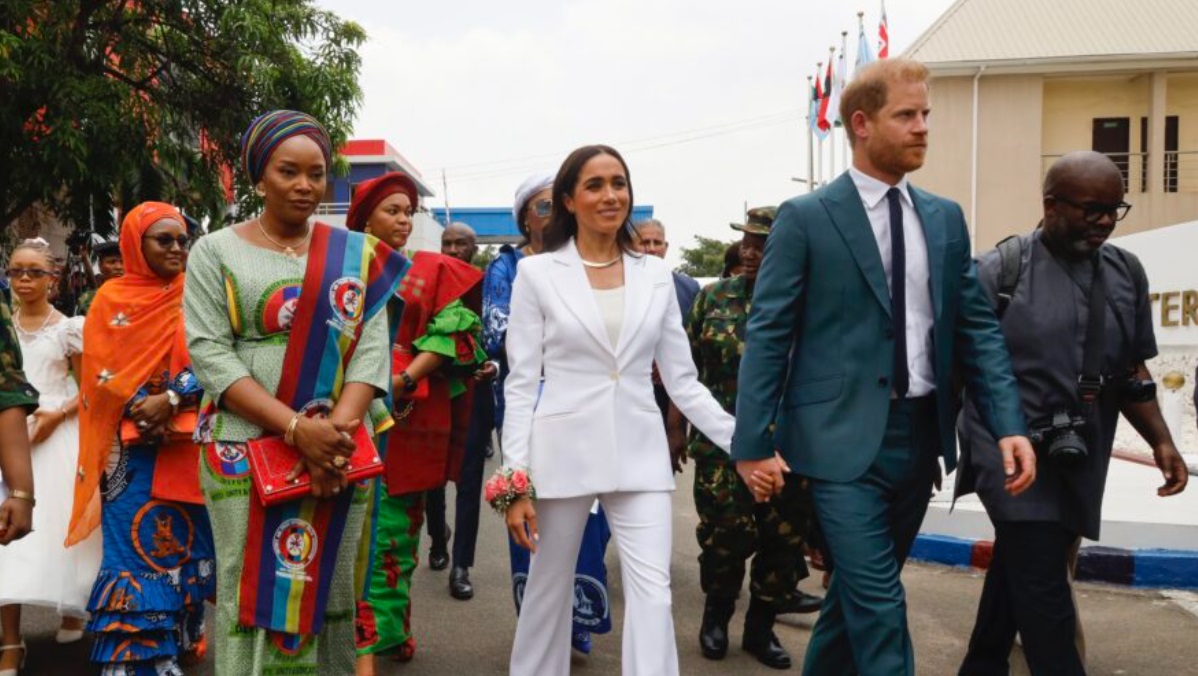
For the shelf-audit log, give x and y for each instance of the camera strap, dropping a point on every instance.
(1089, 383)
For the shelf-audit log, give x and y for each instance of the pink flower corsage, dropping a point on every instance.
(506, 486)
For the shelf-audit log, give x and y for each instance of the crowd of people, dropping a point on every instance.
(264, 418)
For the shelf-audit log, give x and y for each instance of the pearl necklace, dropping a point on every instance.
(600, 266)
(290, 251)
(17, 322)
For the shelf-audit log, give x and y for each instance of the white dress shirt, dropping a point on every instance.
(920, 315)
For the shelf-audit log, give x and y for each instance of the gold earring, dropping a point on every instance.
(260, 191)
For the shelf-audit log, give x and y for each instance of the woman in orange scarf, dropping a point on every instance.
(138, 467)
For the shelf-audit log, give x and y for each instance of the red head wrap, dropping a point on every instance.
(369, 194)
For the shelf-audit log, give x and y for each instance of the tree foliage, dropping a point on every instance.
(704, 259)
(107, 103)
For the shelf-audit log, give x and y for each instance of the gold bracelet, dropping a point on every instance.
(22, 495)
(289, 435)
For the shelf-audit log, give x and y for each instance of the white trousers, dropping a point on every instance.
(641, 525)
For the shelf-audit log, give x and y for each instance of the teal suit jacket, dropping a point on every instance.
(815, 378)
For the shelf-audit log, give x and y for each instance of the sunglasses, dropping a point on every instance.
(31, 273)
(165, 241)
(1092, 212)
(543, 208)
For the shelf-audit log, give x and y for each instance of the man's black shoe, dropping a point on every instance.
(459, 584)
(767, 649)
(800, 602)
(759, 639)
(438, 553)
(713, 634)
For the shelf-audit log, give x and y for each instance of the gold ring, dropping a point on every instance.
(339, 462)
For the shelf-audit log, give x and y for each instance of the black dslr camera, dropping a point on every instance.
(1060, 439)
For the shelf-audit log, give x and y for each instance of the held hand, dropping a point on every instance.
(488, 371)
(152, 412)
(43, 424)
(16, 520)
(1019, 463)
(677, 451)
(322, 441)
(324, 483)
(521, 513)
(1173, 468)
(762, 477)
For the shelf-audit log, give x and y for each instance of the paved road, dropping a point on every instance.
(1129, 631)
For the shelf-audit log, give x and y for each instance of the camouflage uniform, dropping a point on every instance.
(15, 390)
(732, 527)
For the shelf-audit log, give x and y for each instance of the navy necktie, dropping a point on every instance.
(898, 292)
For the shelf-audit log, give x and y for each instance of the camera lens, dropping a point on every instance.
(1067, 449)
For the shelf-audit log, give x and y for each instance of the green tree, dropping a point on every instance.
(704, 259)
(106, 103)
(486, 254)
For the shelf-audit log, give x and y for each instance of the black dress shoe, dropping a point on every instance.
(767, 649)
(801, 603)
(438, 553)
(713, 634)
(459, 584)
(759, 639)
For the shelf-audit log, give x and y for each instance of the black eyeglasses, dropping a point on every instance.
(165, 241)
(543, 208)
(31, 273)
(1092, 212)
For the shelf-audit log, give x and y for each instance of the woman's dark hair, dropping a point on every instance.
(562, 224)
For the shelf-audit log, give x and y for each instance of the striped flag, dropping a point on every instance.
(823, 122)
(883, 34)
(817, 100)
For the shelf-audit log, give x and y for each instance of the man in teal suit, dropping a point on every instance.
(866, 301)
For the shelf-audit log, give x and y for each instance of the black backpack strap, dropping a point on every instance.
(1010, 253)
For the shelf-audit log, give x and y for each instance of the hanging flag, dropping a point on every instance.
(838, 83)
(819, 96)
(825, 124)
(883, 34)
(813, 101)
(865, 53)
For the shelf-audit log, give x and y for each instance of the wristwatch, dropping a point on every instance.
(409, 384)
(174, 398)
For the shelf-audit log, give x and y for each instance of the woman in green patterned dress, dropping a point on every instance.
(243, 303)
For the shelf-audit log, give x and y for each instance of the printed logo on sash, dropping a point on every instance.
(162, 535)
(347, 296)
(295, 546)
(230, 460)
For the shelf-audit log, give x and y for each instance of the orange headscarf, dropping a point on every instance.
(135, 323)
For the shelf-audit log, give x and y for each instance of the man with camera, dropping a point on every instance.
(1077, 319)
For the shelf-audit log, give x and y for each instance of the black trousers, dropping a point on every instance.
(470, 484)
(1026, 592)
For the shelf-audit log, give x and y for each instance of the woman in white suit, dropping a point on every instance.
(591, 317)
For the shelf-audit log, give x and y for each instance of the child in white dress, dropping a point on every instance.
(39, 570)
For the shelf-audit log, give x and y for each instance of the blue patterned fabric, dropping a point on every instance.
(147, 605)
(497, 306)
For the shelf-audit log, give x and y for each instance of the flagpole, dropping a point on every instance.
(810, 141)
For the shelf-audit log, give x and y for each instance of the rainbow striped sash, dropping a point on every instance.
(291, 549)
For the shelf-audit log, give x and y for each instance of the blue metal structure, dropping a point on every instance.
(494, 225)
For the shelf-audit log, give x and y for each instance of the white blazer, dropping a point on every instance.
(597, 428)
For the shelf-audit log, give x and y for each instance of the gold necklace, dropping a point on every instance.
(290, 251)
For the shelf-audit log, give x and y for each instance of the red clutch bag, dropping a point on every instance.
(272, 459)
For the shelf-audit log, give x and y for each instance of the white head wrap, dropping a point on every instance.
(531, 186)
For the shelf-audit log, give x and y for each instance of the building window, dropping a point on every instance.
(1111, 136)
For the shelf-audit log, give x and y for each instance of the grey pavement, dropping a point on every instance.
(1128, 631)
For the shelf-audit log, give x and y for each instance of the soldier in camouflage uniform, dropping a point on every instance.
(108, 257)
(732, 527)
(17, 399)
